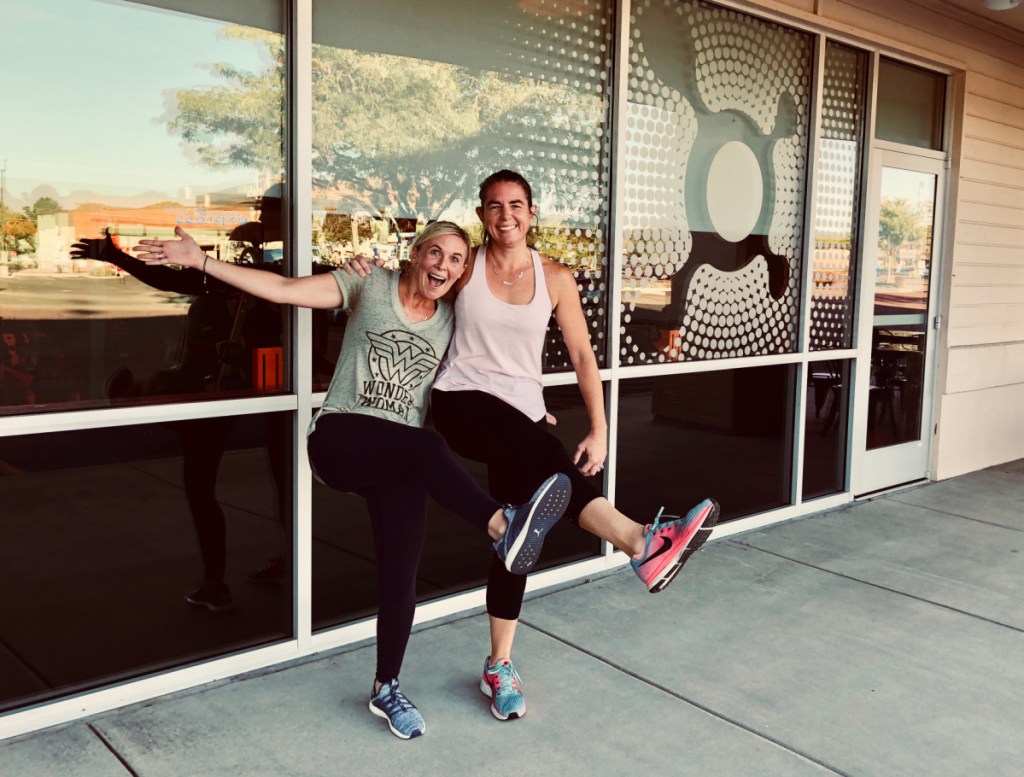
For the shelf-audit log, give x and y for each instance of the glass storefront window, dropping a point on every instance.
(825, 427)
(132, 140)
(911, 104)
(837, 206)
(716, 135)
(108, 531)
(410, 116)
(725, 434)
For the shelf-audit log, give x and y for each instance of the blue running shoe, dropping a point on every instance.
(403, 718)
(528, 524)
(505, 687)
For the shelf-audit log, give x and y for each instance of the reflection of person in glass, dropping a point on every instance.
(368, 439)
(488, 403)
(222, 327)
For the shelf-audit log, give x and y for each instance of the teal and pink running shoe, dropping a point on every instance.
(669, 545)
(503, 684)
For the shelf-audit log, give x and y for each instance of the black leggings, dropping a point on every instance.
(395, 467)
(520, 454)
(203, 443)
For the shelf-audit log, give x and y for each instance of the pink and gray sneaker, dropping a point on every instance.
(668, 545)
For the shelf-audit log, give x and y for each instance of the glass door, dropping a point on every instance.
(894, 382)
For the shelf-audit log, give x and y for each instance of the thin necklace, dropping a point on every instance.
(503, 281)
(405, 306)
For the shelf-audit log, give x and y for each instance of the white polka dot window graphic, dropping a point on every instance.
(838, 190)
(716, 144)
(561, 143)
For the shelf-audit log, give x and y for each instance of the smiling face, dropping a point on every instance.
(436, 264)
(506, 213)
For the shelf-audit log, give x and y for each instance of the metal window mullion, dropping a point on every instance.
(620, 94)
(864, 304)
(300, 150)
(807, 282)
(110, 417)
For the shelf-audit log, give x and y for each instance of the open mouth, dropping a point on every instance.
(436, 281)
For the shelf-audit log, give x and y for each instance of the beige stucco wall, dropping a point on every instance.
(980, 378)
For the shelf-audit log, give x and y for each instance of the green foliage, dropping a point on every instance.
(899, 223)
(400, 133)
(238, 124)
(41, 207)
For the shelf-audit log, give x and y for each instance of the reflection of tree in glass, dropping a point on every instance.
(899, 224)
(400, 133)
(19, 229)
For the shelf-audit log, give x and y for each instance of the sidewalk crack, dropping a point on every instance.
(112, 749)
(687, 700)
(881, 587)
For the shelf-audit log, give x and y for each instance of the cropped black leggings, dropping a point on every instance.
(520, 454)
(395, 467)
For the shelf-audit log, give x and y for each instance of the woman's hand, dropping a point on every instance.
(184, 251)
(595, 446)
(101, 248)
(361, 265)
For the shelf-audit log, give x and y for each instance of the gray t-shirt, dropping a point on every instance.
(387, 363)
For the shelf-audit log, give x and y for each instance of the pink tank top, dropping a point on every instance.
(497, 347)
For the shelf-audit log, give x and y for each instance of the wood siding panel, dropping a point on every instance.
(1005, 256)
(995, 152)
(988, 192)
(989, 213)
(981, 274)
(991, 234)
(982, 85)
(977, 128)
(991, 173)
(986, 333)
(987, 293)
(994, 110)
(976, 369)
(978, 429)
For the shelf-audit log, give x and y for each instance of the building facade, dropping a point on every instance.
(797, 230)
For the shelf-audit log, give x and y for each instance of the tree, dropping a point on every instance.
(6, 216)
(405, 134)
(898, 223)
(41, 207)
(15, 231)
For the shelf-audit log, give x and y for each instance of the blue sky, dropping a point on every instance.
(87, 86)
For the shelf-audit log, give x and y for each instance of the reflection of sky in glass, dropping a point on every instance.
(915, 187)
(87, 91)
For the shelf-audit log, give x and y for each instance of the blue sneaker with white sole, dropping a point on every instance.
(404, 720)
(529, 523)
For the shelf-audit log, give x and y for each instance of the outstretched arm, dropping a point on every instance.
(569, 316)
(163, 278)
(311, 291)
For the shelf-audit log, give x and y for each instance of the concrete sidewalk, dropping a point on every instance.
(882, 638)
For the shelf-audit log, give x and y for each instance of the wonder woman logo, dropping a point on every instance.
(401, 357)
